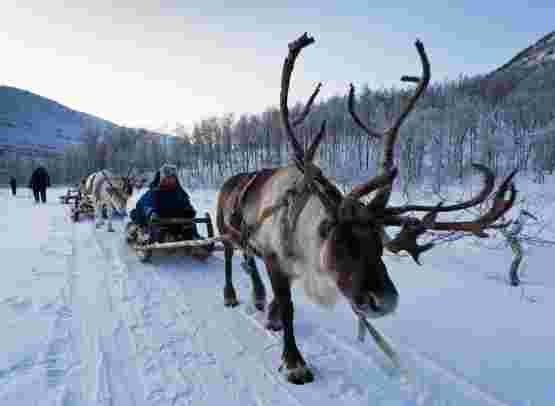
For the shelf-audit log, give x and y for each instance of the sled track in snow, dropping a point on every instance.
(177, 323)
(409, 383)
(173, 348)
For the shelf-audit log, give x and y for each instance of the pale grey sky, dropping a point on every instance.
(145, 63)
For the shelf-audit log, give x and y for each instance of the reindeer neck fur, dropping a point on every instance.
(102, 183)
(299, 252)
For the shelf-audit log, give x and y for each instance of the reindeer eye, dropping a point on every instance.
(324, 228)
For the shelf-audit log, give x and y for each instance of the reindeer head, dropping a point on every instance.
(120, 189)
(352, 233)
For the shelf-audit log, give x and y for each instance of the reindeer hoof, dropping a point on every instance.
(260, 304)
(231, 302)
(230, 298)
(274, 325)
(298, 375)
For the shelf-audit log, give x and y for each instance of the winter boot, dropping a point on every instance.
(200, 253)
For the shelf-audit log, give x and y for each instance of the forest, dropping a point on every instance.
(504, 120)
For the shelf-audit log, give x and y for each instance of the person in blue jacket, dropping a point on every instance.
(165, 198)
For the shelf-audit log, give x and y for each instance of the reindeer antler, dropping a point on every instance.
(301, 158)
(412, 228)
(389, 135)
(489, 182)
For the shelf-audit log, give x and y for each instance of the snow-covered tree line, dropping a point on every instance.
(505, 123)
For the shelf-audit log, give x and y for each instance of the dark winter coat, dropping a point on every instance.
(39, 179)
(164, 203)
(13, 182)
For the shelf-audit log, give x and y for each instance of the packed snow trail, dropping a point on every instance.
(88, 324)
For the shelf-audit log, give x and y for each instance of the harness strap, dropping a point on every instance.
(245, 230)
(112, 190)
(294, 199)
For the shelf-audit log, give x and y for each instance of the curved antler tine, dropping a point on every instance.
(422, 85)
(391, 132)
(499, 208)
(500, 205)
(412, 228)
(489, 183)
(407, 238)
(351, 106)
(295, 48)
(505, 185)
(309, 157)
(307, 106)
(374, 183)
(390, 135)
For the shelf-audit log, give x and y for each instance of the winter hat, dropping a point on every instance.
(168, 170)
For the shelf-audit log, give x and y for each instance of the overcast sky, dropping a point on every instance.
(146, 63)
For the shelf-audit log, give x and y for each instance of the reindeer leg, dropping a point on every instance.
(258, 290)
(292, 361)
(230, 298)
(274, 322)
(110, 215)
(99, 221)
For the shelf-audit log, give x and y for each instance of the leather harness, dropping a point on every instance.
(294, 200)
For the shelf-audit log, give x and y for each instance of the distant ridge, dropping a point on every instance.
(33, 125)
(543, 51)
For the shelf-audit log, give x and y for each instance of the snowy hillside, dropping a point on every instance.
(542, 51)
(32, 124)
(87, 324)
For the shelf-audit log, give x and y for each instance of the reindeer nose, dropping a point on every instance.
(383, 304)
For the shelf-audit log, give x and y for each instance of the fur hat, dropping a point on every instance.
(168, 170)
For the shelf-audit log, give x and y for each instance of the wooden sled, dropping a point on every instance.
(71, 196)
(171, 237)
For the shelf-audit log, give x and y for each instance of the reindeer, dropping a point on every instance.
(110, 192)
(303, 228)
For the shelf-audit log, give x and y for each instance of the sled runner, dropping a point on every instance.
(173, 234)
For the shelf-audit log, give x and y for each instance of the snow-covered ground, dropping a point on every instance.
(86, 324)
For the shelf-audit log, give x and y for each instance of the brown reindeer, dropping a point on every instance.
(305, 229)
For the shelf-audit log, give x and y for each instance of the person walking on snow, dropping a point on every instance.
(13, 185)
(40, 180)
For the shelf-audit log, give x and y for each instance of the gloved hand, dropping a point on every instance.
(153, 218)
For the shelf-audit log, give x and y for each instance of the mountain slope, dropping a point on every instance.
(543, 51)
(32, 125)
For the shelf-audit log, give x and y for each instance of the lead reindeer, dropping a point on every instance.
(110, 192)
(304, 228)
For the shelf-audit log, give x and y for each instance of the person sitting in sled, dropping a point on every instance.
(164, 199)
